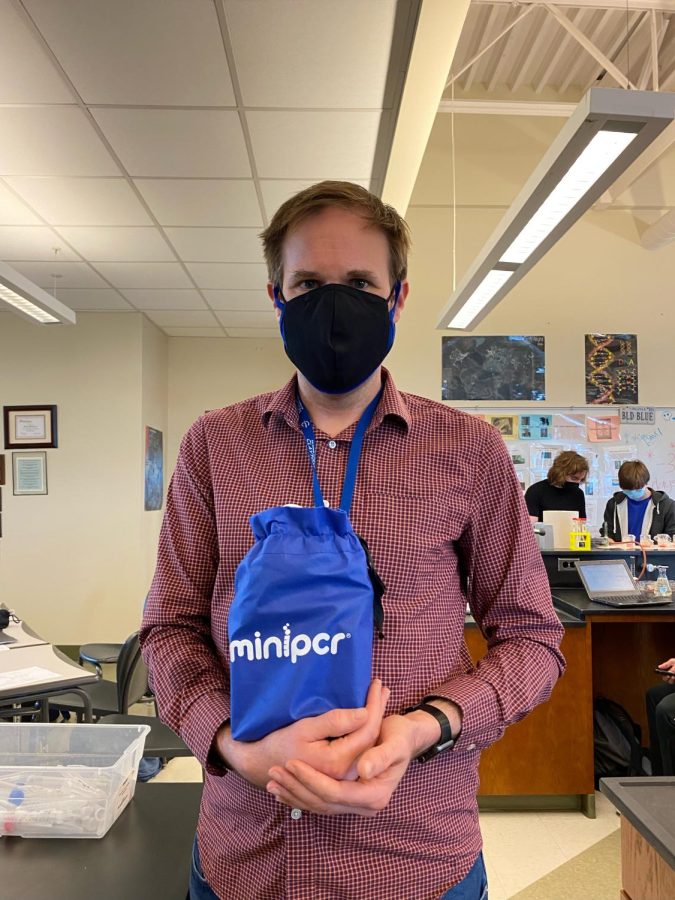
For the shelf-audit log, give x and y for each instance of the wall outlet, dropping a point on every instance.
(565, 563)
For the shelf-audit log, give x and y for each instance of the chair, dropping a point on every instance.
(98, 655)
(111, 702)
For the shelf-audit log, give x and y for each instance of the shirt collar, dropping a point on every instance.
(281, 404)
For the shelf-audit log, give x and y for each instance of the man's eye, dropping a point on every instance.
(308, 284)
(360, 283)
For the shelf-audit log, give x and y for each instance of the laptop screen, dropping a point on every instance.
(612, 575)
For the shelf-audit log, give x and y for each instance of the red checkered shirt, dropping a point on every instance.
(438, 502)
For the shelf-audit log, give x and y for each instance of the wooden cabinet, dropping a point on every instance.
(549, 752)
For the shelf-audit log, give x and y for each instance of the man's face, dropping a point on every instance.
(336, 246)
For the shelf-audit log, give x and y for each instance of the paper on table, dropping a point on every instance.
(27, 676)
(561, 519)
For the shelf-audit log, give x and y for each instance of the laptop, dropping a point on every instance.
(609, 581)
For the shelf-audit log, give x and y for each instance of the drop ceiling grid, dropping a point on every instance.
(153, 157)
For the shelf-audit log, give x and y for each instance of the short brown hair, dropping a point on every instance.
(633, 474)
(349, 196)
(566, 465)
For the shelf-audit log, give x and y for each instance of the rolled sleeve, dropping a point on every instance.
(188, 676)
(510, 598)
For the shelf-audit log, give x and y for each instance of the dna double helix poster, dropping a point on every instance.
(611, 368)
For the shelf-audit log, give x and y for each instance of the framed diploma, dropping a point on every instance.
(29, 471)
(30, 427)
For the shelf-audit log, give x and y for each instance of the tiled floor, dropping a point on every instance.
(520, 847)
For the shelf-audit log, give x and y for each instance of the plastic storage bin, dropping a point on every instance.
(66, 780)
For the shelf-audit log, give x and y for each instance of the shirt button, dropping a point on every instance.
(332, 444)
(471, 747)
(296, 814)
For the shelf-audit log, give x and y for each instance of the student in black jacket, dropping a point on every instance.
(637, 509)
(560, 489)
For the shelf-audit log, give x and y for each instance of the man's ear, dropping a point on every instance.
(270, 294)
(402, 297)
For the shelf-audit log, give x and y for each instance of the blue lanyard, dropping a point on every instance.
(354, 451)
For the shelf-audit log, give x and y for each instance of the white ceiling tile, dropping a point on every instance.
(253, 332)
(118, 244)
(27, 75)
(276, 192)
(139, 51)
(82, 201)
(70, 275)
(144, 275)
(188, 143)
(338, 145)
(32, 242)
(195, 332)
(250, 319)
(282, 57)
(13, 211)
(149, 299)
(51, 140)
(185, 318)
(94, 300)
(217, 244)
(239, 300)
(232, 276)
(187, 201)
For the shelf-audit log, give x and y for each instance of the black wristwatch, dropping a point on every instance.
(446, 742)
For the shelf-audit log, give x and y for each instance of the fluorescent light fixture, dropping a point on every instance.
(482, 295)
(30, 301)
(608, 130)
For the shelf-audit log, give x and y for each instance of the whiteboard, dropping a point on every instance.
(653, 444)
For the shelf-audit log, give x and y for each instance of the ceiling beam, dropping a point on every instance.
(646, 159)
(663, 5)
(557, 54)
(437, 34)
(484, 49)
(579, 62)
(588, 45)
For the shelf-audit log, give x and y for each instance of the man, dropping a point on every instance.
(637, 509)
(299, 814)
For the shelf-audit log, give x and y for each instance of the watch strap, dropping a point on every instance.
(446, 741)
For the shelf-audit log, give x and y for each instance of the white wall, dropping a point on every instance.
(70, 560)
(208, 373)
(154, 413)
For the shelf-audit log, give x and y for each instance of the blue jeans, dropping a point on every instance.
(200, 889)
(472, 887)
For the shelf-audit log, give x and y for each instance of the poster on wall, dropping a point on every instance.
(507, 426)
(603, 428)
(503, 367)
(611, 368)
(154, 468)
(535, 428)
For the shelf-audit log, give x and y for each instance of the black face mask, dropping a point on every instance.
(337, 335)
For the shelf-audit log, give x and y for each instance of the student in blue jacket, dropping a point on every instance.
(638, 509)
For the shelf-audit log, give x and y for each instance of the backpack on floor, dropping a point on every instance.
(617, 741)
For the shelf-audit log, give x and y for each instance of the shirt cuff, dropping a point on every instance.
(482, 722)
(200, 725)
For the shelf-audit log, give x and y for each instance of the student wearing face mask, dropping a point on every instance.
(374, 797)
(560, 489)
(638, 509)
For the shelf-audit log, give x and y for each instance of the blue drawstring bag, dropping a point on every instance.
(301, 623)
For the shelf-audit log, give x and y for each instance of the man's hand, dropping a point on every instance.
(379, 769)
(331, 743)
(670, 665)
